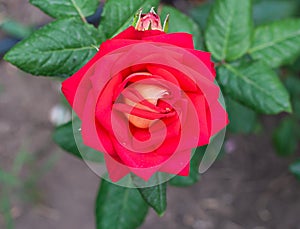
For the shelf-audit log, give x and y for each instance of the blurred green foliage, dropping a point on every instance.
(15, 29)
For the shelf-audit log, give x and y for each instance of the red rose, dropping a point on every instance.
(145, 100)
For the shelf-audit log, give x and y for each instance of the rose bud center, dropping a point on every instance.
(151, 95)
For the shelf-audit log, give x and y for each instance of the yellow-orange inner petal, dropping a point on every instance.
(152, 94)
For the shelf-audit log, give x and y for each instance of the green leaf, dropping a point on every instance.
(296, 65)
(65, 8)
(242, 119)
(118, 15)
(119, 208)
(156, 196)
(255, 85)
(200, 14)
(293, 85)
(295, 169)
(58, 49)
(179, 22)
(296, 107)
(229, 29)
(194, 175)
(265, 11)
(277, 43)
(65, 138)
(285, 137)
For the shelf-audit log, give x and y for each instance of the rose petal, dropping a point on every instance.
(219, 117)
(158, 70)
(199, 104)
(178, 164)
(91, 132)
(184, 40)
(205, 57)
(185, 82)
(116, 171)
(105, 102)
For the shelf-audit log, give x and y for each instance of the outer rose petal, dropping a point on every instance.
(219, 117)
(90, 132)
(116, 171)
(105, 101)
(205, 57)
(70, 85)
(178, 164)
(184, 40)
(203, 118)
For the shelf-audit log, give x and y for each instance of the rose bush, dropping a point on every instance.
(145, 100)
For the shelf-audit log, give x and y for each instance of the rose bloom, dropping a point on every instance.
(146, 99)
